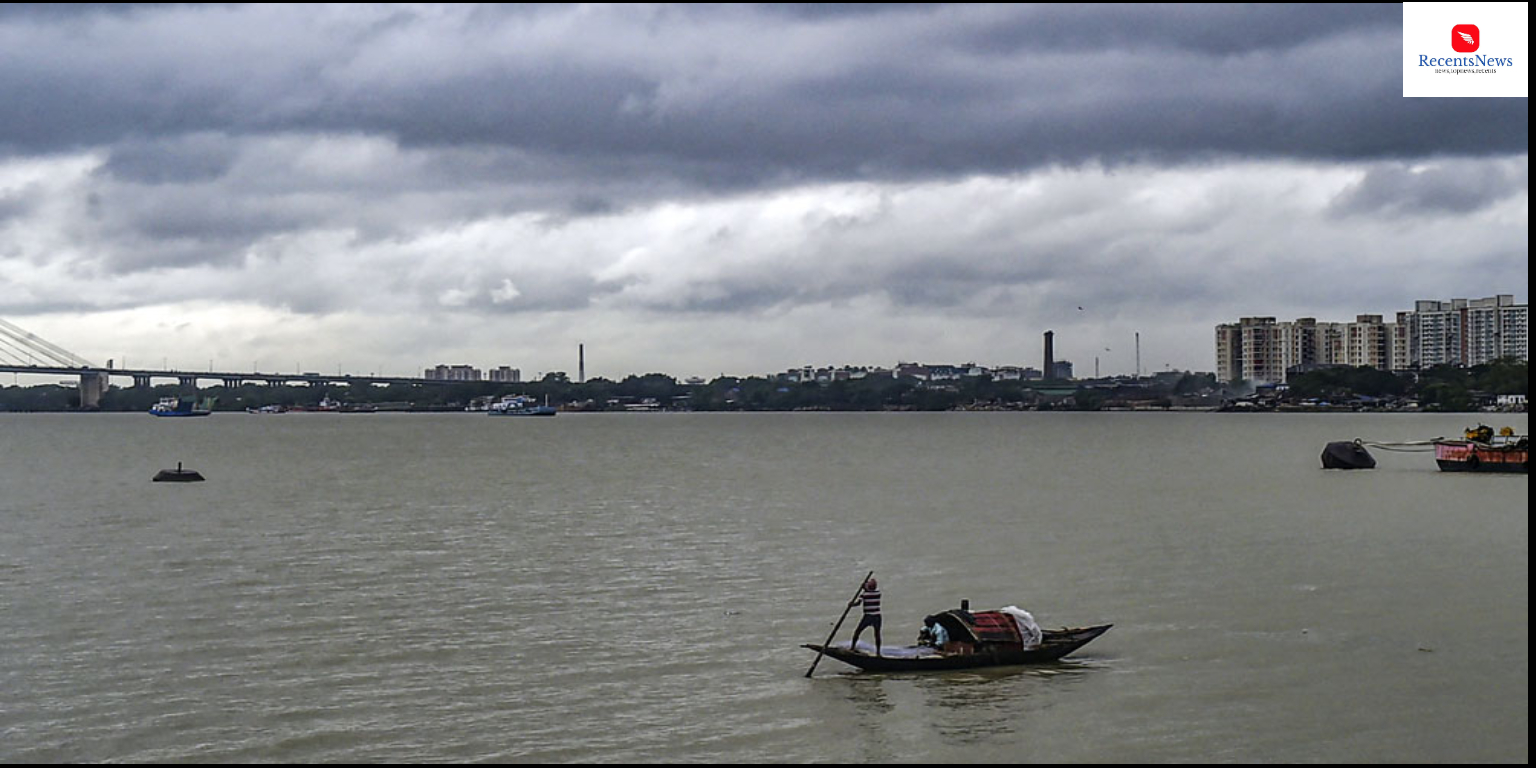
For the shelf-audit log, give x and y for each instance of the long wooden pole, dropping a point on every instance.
(839, 624)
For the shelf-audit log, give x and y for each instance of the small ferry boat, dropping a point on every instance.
(1483, 451)
(520, 405)
(178, 406)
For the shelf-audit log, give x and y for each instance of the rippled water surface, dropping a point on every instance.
(617, 588)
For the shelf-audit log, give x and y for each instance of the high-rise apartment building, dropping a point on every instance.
(453, 373)
(1434, 333)
(1466, 332)
(1457, 332)
(1368, 342)
(1252, 349)
(1229, 352)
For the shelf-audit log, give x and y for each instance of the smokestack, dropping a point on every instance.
(581, 363)
(1050, 355)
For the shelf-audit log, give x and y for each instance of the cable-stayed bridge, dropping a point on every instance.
(24, 352)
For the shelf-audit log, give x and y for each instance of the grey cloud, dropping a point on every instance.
(14, 205)
(543, 291)
(132, 228)
(535, 288)
(1449, 187)
(1213, 30)
(749, 293)
(209, 198)
(175, 159)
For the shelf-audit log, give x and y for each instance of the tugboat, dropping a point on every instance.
(1483, 451)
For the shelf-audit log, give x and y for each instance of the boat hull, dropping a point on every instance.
(178, 476)
(1465, 456)
(1054, 645)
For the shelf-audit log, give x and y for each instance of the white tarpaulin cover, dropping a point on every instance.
(1027, 626)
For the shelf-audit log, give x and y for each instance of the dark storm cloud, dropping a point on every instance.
(738, 96)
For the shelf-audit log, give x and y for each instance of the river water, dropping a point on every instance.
(635, 588)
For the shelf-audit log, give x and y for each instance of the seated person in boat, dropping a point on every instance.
(934, 635)
(925, 635)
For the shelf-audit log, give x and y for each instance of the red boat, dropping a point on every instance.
(1483, 451)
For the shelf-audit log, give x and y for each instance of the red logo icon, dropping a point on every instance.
(1465, 38)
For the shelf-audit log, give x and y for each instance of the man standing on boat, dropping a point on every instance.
(870, 599)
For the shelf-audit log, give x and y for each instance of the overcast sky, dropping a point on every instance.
(737, 189)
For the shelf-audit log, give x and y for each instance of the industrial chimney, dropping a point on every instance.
(1050, 355)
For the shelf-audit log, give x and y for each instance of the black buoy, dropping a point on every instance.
(1347, 455)
(178, 475)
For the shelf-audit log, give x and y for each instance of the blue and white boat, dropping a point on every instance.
(520, 405)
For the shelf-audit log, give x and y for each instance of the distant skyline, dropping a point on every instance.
(700, 190)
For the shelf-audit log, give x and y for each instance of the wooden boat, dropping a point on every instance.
(1483, 451)
(984, 639)
(178, 475)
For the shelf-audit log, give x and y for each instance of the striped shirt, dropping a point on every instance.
(871, 601)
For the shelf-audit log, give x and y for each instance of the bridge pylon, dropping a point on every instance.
(93, 384)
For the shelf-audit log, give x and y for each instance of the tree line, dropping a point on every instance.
(1439, 388)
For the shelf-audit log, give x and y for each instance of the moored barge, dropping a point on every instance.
(1483, 451)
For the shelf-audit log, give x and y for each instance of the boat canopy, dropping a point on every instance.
(982, 627)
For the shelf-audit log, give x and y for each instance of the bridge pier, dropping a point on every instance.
(233, 383)
(93, 385)
(187, 381)
(141, 380)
